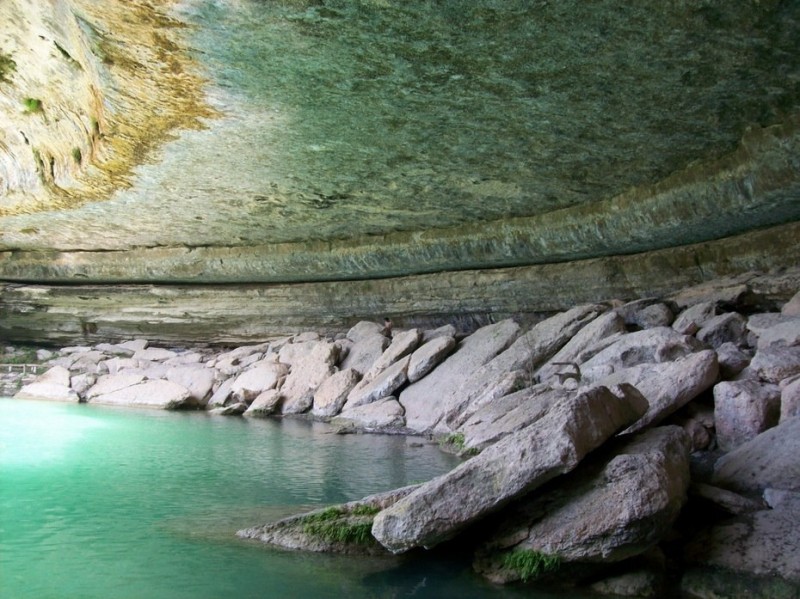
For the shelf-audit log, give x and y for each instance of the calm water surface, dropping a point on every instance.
(117, 503)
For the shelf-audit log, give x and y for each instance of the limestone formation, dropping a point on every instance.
(514, 466)
(743, 410)
(52, 385)
(331, 395)
(160, 394)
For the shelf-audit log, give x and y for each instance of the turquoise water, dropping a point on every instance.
(117, 503)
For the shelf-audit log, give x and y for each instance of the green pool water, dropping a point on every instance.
(118, 503)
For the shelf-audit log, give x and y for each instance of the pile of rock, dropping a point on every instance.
(600, 439)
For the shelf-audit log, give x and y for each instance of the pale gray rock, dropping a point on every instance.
(447, 330)
(724, 328)
(87, 361)
(221, 395)
(110, 383)
(115, 365)
(307, 336)
(385, 383)
(330, 396)
(382, 415)
(790, 399)
(198, 379)
(75, 349)
(53, 385)
(233, 365)
(668, 386)
(759, 323)
(363, 330)
(267, 403)
(154, 354)
(762, 544)
(307, 373)
(661, 344)
(403, 343)
(296, 352)
(693, 318)
(509, 469)
(153, 370)
(786, 333)
(775, 363)
(134, 345)
(527, 354)
(185, 359)
(646, 314)
(42, 355)
(115, 349)
(578, 349)
(771, 460)
(731, 502)
(365, 351)
(780, 499)
(507, 415)
(81, 383)
(262, 375)
(161, 394)
(743, 410)
(424, 401)
(792, 307)
(234, 409)
(616, 505)
(732, 360)
(429, 356)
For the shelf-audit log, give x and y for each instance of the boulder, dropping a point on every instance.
(646, 313)
(725, 328)
(385, 383)
(731, 502)
(81, 383)
(233, 362)
(792, 307)
(308, 372)
(507, 415)
(403, 343)
(509, 469)
(109, 383)
(429, 356)
(307, 336)
(577, 350)
(87, 361)
(53, 385)
(693, 318)
(661, 344)
(771, 460)
(161, 394)
(363, 330)
(786, 333)
(775, 363)
(790, 399)
(197, 379)
(743, 410)
(154, 354)
(185, 359)
(668, 386)
(262, 375)
(265, 404)
(366, 349)
(617, 504)
(384, 414)
(330, 396)
(134, 345)
(732, 360)
(447, 330)
(234, 409)
(526, 354)
(424, 400)
(222, 394)
(115, 365)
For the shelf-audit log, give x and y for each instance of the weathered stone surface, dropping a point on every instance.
(724, 328)
(694, 317)
(526, 354)
(429, 356)
(385, 414)
(775, 363)
(258, 378)
(731, 502)
(732, 360)
(81, 383)
(307, 373)
(792, 307)
(154, 354)
(265, 404)
(667, 386)
(383, 385)
(516, 465)
(222, 394)
(508, 414)
(148, 394)
(403, 343)
(762, 544)
(110, 383)
(660, 344)
(363, 330)
(743, 410)
(330, 396)
(365, 351)
(614, 506)
(646, 313)
(771, 460)
(790, 399)
(786, 333)
(447, 330)
(578, 349)
(198, 379)
(53, 385)
(424, 401)
(233, 409)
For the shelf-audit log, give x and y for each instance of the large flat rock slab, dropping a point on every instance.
(516, 465)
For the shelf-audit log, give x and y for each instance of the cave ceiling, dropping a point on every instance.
(345, 121)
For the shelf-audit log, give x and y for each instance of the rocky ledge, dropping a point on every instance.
(635, 448)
